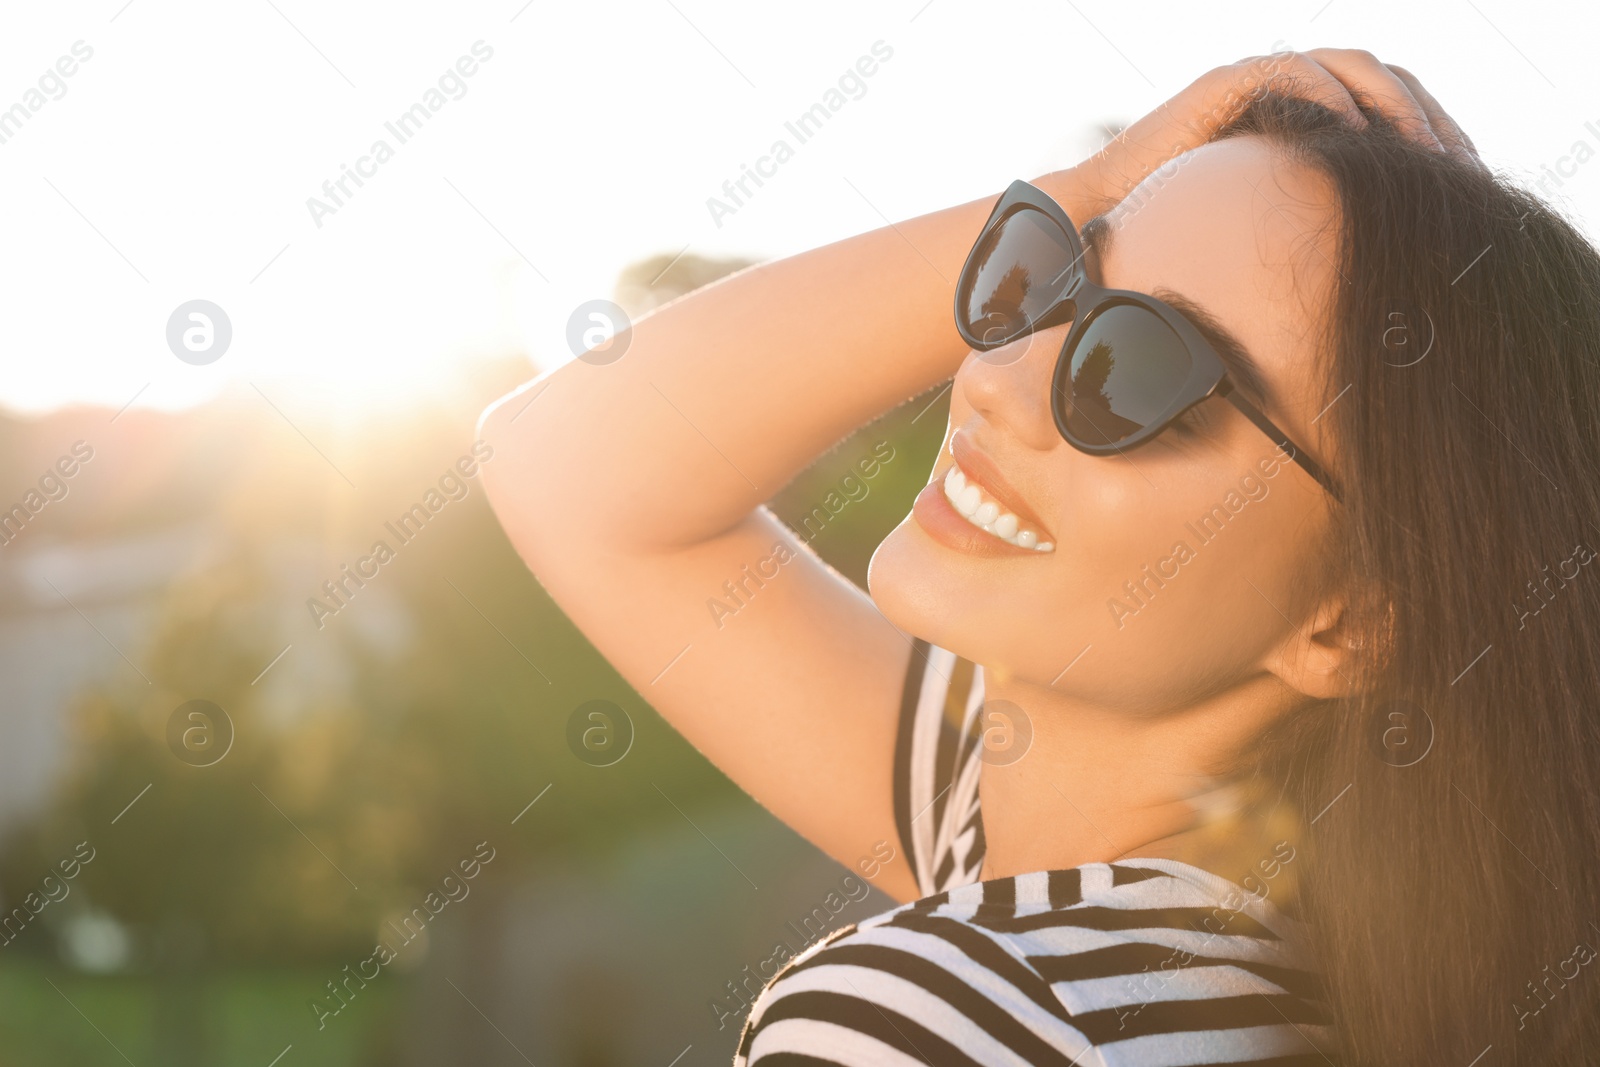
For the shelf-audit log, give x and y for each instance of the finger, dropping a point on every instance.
(1212, 101)
(1361, 72)
(1219, 97)
(1298, 74)
(1453, 136)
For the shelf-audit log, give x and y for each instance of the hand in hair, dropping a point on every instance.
(1334, 77)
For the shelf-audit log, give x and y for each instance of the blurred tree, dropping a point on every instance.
(418, 720)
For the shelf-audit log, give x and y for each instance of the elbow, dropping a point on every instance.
(506, 429)
(490, 430)
(495, 423)
(565, 480)
(491, 434)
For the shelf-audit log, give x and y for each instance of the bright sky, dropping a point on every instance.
(178, 162)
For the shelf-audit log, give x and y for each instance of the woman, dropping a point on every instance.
(1269, 571)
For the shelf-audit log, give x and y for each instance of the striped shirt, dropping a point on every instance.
(936, 769)
(1137, 963)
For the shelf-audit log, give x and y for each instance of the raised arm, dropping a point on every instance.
(635, 490)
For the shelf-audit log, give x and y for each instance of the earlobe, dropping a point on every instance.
(1321, 657)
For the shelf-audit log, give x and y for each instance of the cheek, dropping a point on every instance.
(1180, 598)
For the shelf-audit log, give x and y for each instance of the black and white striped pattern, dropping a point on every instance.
(1138, 963)
(936, 768)
(1103, 965)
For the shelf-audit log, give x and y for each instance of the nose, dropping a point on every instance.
(1010, 385)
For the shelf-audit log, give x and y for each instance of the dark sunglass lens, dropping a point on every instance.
(1016, 273)
(1125, 371)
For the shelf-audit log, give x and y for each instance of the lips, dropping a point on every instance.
(981, 471)
(970, 506)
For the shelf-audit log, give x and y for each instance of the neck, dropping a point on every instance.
(1097, 785)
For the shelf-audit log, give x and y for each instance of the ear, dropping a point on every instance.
(1320, 657)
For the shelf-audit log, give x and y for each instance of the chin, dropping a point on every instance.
(968, 608)
(911, 580)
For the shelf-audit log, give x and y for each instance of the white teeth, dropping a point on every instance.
(973, 504)
(967, 500)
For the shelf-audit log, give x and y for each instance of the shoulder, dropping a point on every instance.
(912, 986)
(1046, 968)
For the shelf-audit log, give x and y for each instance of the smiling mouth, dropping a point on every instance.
(983, 509)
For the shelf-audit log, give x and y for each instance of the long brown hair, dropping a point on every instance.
(1453, 810)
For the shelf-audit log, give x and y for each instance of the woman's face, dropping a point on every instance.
(1180, 565)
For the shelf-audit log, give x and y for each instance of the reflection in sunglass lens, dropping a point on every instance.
(1125, 371)
(1017, 271)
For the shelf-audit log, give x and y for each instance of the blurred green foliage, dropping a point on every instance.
(416, 722)
(242, 1008)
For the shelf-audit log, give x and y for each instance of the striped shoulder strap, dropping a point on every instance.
(936, 769)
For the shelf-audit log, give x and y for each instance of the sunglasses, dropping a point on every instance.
(1130, 366)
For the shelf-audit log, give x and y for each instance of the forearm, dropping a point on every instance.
(725, 395)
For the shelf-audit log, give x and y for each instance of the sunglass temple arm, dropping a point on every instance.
(1281, 439)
